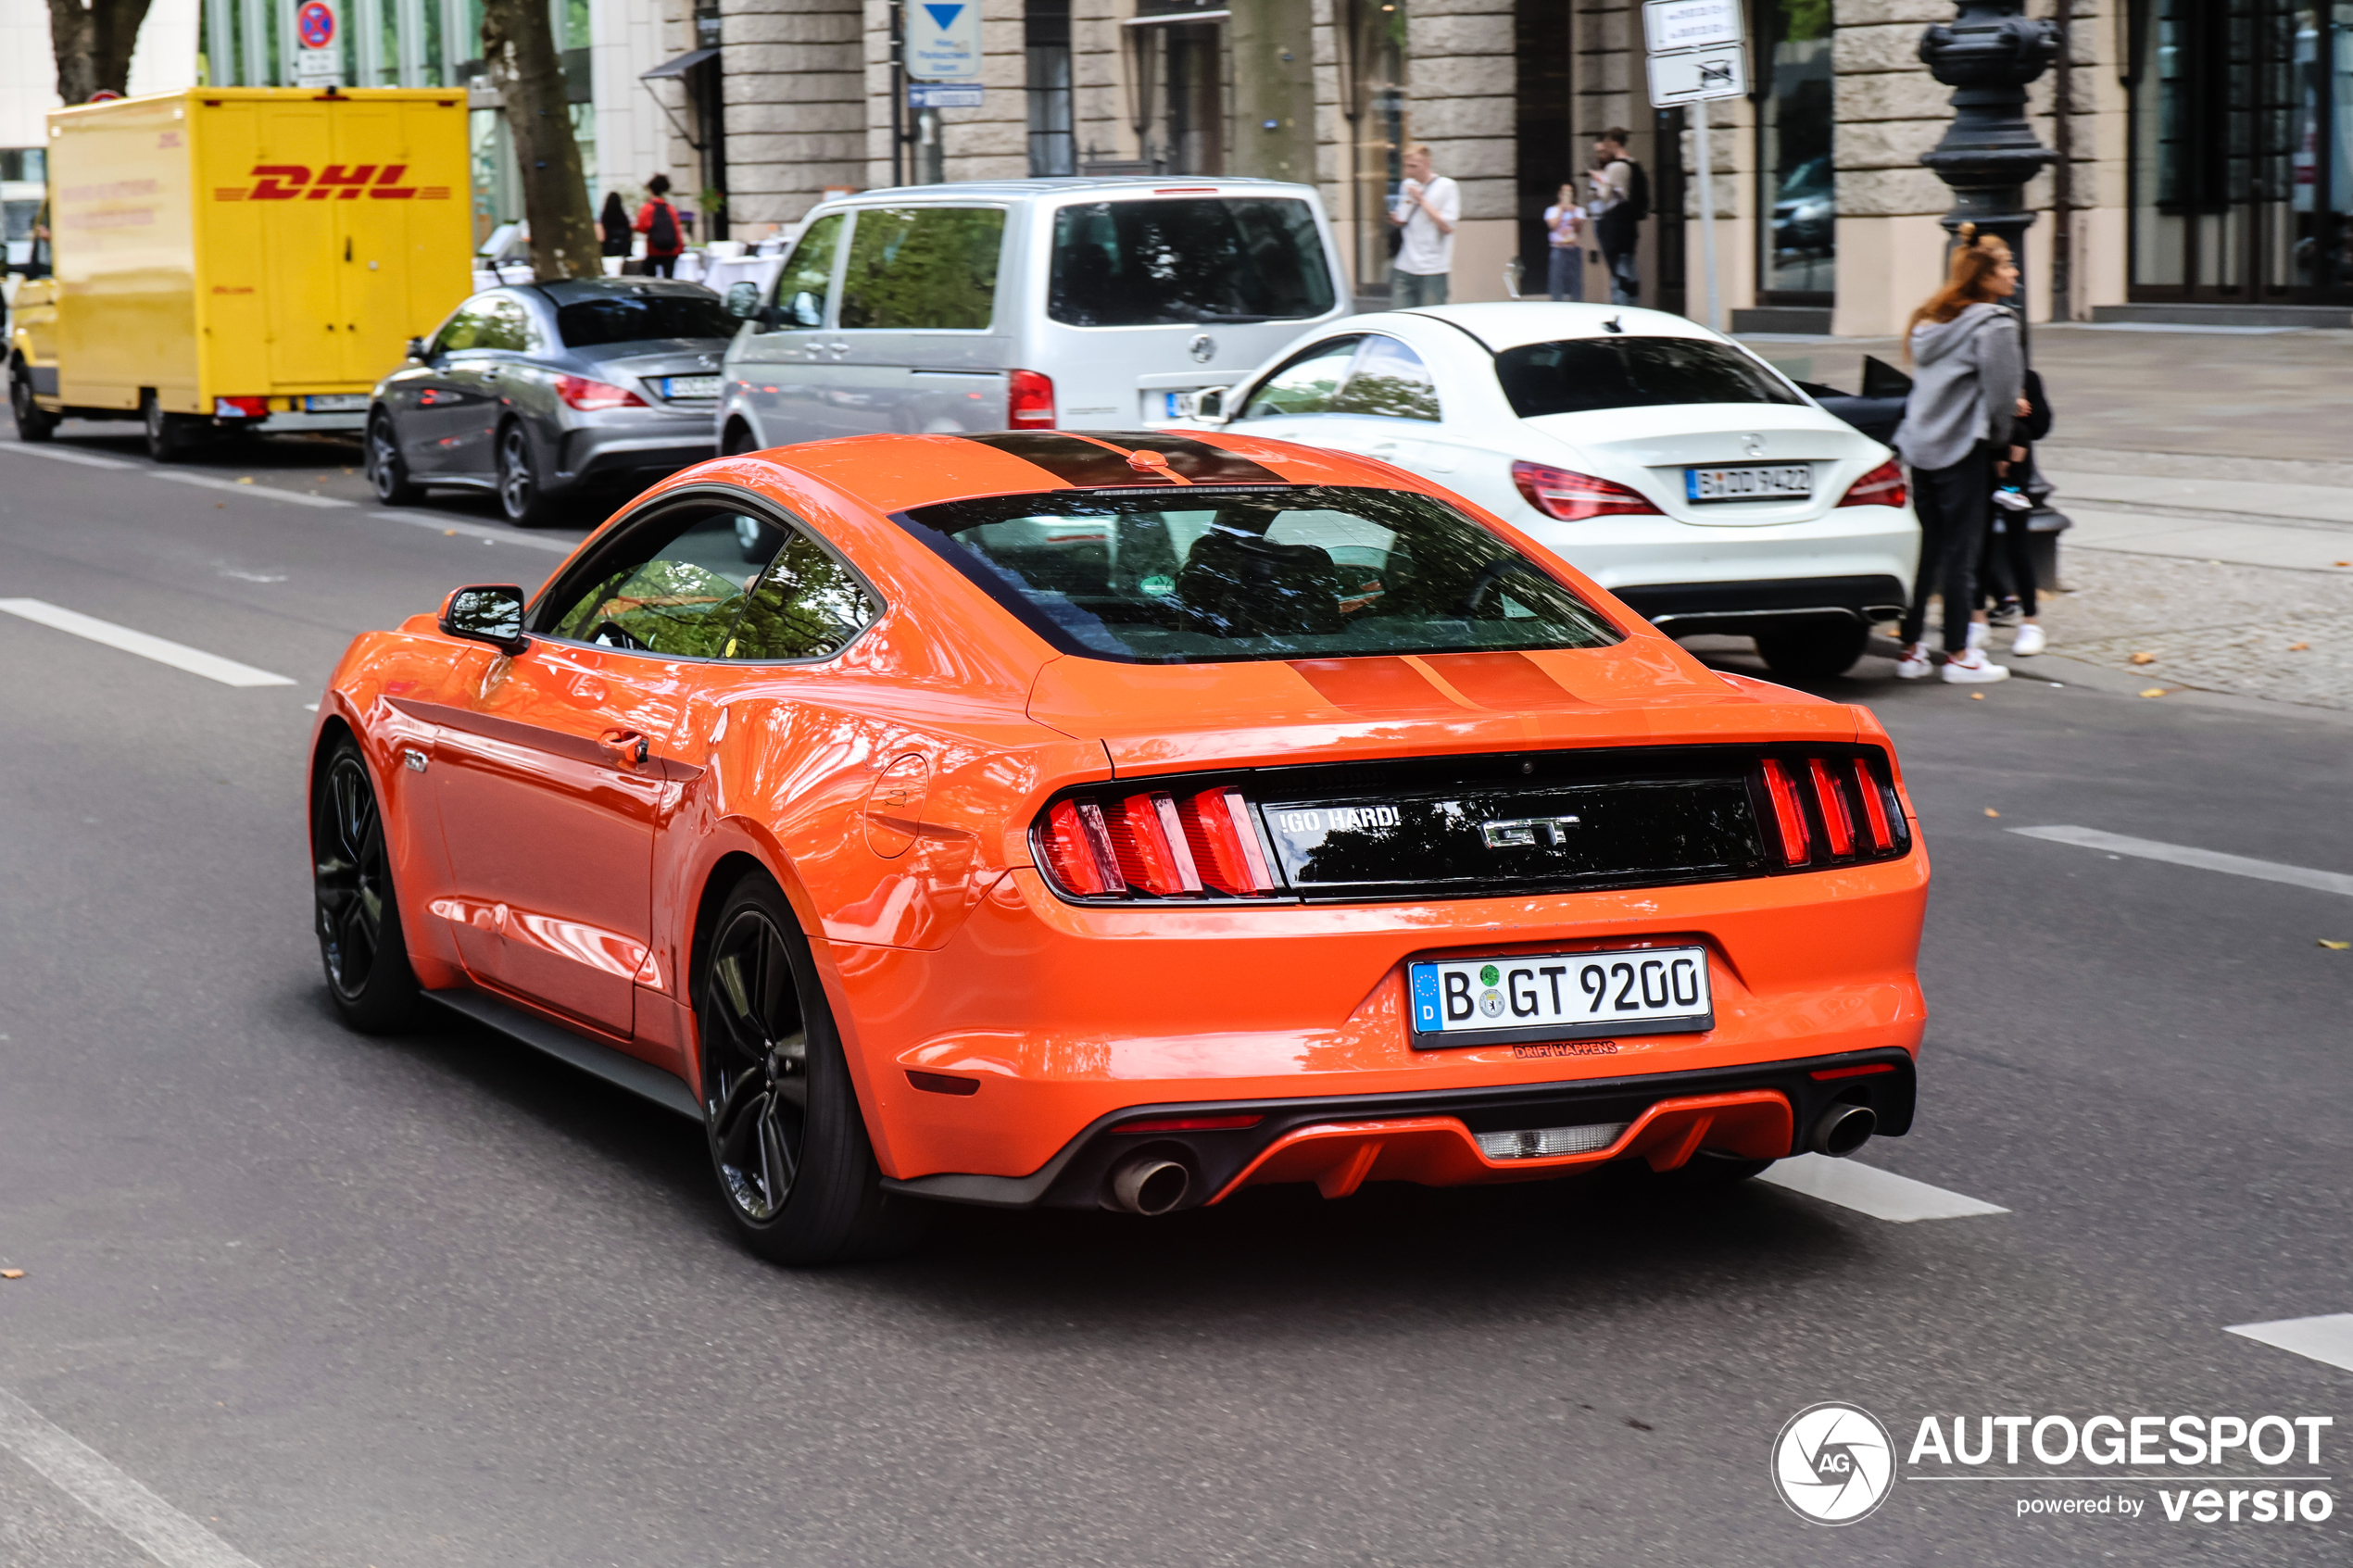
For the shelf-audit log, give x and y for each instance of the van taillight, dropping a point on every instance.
(1826, 809)
(1029, 400)
(1156, 842)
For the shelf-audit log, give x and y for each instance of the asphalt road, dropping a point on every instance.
(435, 1302)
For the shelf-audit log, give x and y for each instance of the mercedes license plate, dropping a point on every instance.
(1560, 997)
(336, 403)
(1770, 481)
(690, 386)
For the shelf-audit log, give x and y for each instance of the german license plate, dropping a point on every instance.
(336, 403)
(1775, 482)
(1560, 997)
(689, 386)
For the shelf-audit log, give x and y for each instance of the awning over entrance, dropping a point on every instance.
(670, 70)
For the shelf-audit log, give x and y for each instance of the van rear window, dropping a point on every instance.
(1163, 263)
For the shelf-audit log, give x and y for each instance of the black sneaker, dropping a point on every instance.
(2006, 613)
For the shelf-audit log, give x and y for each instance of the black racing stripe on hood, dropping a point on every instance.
(1098, 459)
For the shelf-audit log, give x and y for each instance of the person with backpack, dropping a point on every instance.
(665, 236)
(1621, 200)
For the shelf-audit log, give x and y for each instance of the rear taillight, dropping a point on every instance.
(1202, 844)
(241, 408)
(1825, 809)
(1029, 400)
(579, 391)
(1883, 486)
(1575, 497)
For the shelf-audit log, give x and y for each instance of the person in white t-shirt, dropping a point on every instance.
(1564, 227)
(1429, 206)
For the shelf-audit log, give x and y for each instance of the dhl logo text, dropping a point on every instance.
(293, 181)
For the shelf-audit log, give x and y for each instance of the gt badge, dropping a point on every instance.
(1526, 832)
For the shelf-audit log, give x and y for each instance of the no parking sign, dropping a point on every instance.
(319, 63)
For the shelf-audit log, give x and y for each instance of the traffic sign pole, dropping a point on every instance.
(1715, 320)
(1696, 56)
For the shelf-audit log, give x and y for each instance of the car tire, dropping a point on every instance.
(387, 472)
(357, 918)
(520, 499)
(170, 436)
(1818, 650)
(788, 1145)
(34, 422)
(738, 440)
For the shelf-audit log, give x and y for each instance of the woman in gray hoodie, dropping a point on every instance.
(1971, 370)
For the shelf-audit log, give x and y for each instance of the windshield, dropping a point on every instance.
(1583, 375)
(1156, 263)
(635, 317)
(1211, 576)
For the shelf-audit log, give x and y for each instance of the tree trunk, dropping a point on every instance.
(93, 44)
(519, 47)
(1274, 62)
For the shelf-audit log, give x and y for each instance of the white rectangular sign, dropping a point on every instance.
(943, 40)
(1669, 25)
(1698, 75)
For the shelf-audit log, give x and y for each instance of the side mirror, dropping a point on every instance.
(743, 299)
(416, 351)
(487, 614)
(1208, 405)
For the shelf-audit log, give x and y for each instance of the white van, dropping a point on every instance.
(1023, 305)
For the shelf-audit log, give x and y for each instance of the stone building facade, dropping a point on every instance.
(2208, 143)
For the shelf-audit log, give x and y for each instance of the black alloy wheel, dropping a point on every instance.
(170, 436)
(519, 494)
(1819, 649)
(387, 473)
(358, 918)
(34, 422)
(787, 1141)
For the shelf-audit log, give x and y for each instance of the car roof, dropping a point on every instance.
(1514, 323)
(1130, 185)
(571, 290)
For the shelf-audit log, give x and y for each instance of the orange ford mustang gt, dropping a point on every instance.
(1118, 821)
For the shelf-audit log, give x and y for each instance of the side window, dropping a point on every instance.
(922, 266)
(808, 277)
(506, 325)
(465, 328)
(711, 582)
(1389, 379)
(1305, 385)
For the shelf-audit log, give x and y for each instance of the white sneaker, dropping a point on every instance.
(1973, 666)
(2028, 642)
(1914, 664)
(1978, 635)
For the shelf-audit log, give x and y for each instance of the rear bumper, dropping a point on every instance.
(597, 451)
(1757, 1113)
(1683, 608)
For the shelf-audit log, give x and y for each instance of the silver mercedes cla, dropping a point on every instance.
(535, 392)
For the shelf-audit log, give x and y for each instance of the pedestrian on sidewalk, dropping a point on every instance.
(1564, 227)
(1966, 396)
(665, 236)
(613, 221)
(1621, 200)
(1429, 206)
(2006, 573)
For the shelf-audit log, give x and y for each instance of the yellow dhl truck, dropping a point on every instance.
(240, 259)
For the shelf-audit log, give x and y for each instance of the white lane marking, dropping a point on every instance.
(195, 661)
(2204, 859)
(2326, 1339)
(476, 530)
(93, 1481)
(64, 455)
(267, 491)
(1883, 1194)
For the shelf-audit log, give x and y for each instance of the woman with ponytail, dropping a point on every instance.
(1964, 398)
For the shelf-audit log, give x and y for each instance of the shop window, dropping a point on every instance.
(1798, 177)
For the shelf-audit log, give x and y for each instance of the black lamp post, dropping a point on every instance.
(1987, 54)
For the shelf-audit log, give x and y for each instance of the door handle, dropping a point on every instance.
(628, 748)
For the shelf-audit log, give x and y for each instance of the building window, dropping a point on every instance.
(1797, 178)
(1374, 99)
(1046, 37)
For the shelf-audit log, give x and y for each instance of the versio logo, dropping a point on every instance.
(1834, 1463)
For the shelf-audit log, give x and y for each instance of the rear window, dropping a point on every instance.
(1159, 263)
(639, 318)
(1582, 375)
(922, 266)
(1211, 576)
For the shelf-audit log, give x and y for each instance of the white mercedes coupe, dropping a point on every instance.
(1666, 461)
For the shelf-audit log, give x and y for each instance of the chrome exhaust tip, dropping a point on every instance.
(1842, 1129)
(1150, 1184)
